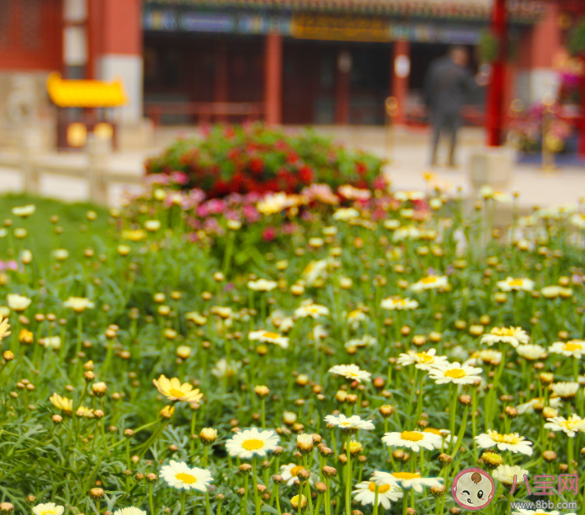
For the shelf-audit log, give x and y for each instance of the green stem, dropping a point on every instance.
(255, 482)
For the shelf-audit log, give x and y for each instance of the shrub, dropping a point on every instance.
(259, 159)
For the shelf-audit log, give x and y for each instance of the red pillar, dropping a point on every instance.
(495, 100)
(273, 78)
(221, 73)
(342, 88)
(120, 51)
(582, 131)
(400, 76)
(221, 90)
(94, 41)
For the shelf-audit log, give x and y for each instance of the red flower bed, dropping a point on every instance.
(255, 158)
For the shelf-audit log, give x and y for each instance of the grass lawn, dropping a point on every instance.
(72, 224)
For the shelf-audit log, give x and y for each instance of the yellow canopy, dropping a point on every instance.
(85, 93)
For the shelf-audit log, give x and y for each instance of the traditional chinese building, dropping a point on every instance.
(292, 61)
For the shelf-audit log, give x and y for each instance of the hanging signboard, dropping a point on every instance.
(339, 27)
(321, 26)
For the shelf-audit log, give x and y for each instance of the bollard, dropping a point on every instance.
(548, 150)
(98, 151)
(391, 105)
(31, 144)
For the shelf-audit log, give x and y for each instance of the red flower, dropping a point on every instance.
(269, 233)
(256, 165)
(361, 168)
(306, 174)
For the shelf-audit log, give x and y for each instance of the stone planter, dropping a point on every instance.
(491, 167)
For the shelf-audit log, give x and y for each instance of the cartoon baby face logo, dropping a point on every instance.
(473, 489)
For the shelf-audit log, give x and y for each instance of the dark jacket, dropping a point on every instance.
(447, 86)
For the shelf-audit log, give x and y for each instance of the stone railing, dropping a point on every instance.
(93, 166)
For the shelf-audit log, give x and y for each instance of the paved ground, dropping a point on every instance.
(407, 151)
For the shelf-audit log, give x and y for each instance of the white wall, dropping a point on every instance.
(128, 68)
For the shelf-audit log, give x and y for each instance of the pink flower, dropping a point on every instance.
(180, 177)
(216, 206)
(269, 233)
(8, 265)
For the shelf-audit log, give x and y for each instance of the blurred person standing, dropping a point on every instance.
(448, 83)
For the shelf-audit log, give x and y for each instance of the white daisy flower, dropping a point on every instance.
(504, 442)
(346, 213)
(531, 352)
(572, 348)
(431, 282)
(578, 220)
(537, 404)
(319, 333)
(286, 324)
(17, 302)
(485, 357)
(569, 426)
(365, 493)
(512, 335)
(424, 360)
(413, 440)
(290, 473)
(222, 368)
(311, 310)
(179, 475)
(131, 510)
(269, 337)
(349, 423)
(351, 372)
(355, 317)
(364, 341)
(398, 304)
(564, 390)
(252, 442)
(407, 480)
(24, 211)
(507, 474)
(554, 291)
(78, 304)
(404, 196)
(49, 508)
(454, 373)
(262, 285)
(511, 284)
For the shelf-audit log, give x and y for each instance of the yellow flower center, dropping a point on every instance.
(382, 489)
(429, 280)
(173, 392)
(433, 431)
(511, 439)
(455, 373)
(423, 357)
(50, 511)
(571, 423)
(253, 444)
(503, 331)
(271, 336)
(516, 282)
(186, 478)
(412, 436)
(294, 472)
(573, 346)
(406, 475)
